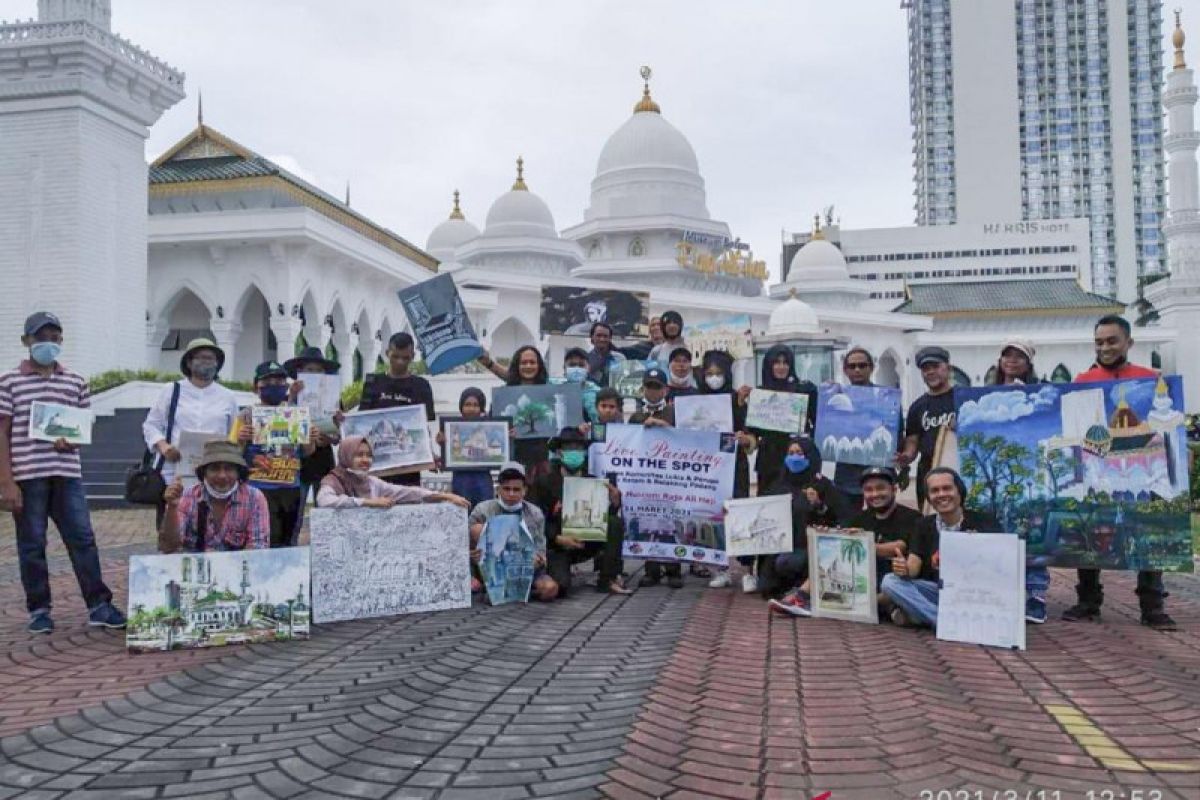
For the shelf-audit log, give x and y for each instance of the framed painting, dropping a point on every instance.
(539, 411)
(841, 574)
(479, 443)
(399, 438)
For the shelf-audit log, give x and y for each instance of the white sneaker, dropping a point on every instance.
(722, 581)
(749, 584)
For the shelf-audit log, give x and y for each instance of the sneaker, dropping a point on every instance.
(1158, 619)
(700, 571)
(1035, 610)
(106, 615)
(40, 623)
(1082, 612)
(900, 619)
(675, 581)
(794, 605)
(749, 584)
(722, 581)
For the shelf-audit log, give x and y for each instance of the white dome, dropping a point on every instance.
(793, 316)
(647, 140)
(448, 236)
(819, 260)
(520, 212)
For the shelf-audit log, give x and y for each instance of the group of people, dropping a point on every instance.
(225, 508)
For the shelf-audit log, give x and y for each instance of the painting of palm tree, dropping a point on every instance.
(854, 553)
(839, 590)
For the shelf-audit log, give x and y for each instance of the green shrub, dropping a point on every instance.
(118, 377)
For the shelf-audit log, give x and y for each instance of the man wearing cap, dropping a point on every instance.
(892, 523)
(201, 406)
(42, 480)
(275, 470)
(221, 512)
(563, 551)
(928, 414)
(322, 461)
(510, 499)
(655, 410)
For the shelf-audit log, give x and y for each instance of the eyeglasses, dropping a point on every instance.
(858, 365)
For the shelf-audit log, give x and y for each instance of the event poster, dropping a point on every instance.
(785, 412)
(982, 600)
(539, 411)
(322, 396)
(858, 424)
(373, 562)
(674, 484)
(758, 526)
(841, 574)
(704, 412)
(572, 310)
(440, 324)
(507, 555)
(50, 422)
(585, 509)
(1090, 474)
(399, 438)
(731, 334)
(190, 600)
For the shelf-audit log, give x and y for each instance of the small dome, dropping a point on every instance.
(793, 316)
(450, 234)
(520, 212)
(1098, 439)
(819, 260)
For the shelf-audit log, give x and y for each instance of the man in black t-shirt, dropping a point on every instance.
(892, 523)
(398, 387)
(928, 414)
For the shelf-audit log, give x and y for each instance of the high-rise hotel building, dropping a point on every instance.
(1043, 109)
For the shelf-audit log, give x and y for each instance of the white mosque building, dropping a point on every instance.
(236, 247)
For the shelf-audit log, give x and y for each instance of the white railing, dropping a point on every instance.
(38, 32)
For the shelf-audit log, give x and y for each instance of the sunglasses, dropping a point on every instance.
(858, 365)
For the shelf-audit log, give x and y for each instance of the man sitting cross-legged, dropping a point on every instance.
(893, 524)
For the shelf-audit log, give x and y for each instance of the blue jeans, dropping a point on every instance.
(918, 598)
(1037, 581)
(61, 500)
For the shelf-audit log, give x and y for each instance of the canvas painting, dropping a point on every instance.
(190, 600)
(983, 589)
(322, 396)
(277, 427)
(731, 334)
(191, 449)
(507, 564)
(776, 411)
(585, 509)
(841, 574)
(572, 310)
(756, 526)
(475, 443)
(858, 424)
(50, 422)
(626, 378)
(539, 412)
(1090, 474)
(370, 562)
(440, 324)
(399, 438)
(704, 412)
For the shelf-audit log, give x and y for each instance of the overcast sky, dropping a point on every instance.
(791, 105)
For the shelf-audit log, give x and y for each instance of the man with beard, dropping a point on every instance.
(892, 523)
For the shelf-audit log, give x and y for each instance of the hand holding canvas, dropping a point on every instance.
(569, 543)
(63, 446)
(173, 492)
(743, 394)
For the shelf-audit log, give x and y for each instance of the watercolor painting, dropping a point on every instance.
(540, 411)
(704, 412)
(475, 443)
(585, 509)
(776, 411)
(858, 424)
(507, 564)
(50, 422)
(756, 526)
(399, 438)
(841, 574)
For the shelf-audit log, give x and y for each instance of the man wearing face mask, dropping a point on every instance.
(575, 370)
(41, 480)
(274, 471)
(201, 405)
(563, 551)
(221, 512)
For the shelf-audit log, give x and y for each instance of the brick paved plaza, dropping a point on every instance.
(680, 694)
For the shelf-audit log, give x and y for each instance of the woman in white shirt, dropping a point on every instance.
(205, 406)
(351, 485)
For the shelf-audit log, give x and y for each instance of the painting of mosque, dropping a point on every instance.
(191, 600)
(585, 509)
(1092, 474)
(474, 443)
(399, 438)
(858, 424)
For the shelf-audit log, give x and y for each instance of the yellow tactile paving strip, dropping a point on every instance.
(1105, 750)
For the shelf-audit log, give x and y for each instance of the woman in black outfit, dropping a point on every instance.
(779, 375)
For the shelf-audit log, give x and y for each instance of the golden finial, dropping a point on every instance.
(817, 232)
(1177, 39)
(456, 212)
(519, 183)
(646, 103)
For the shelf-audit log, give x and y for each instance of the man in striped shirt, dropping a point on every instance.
(41, 480)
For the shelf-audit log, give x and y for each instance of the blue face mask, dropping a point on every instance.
(575, 374)
(272, 395)
(573, 459)
(796, 463)
(45, 353)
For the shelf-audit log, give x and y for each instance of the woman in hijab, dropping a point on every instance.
(473, 484)
(350, 484)
(672, 331)
(779, 375)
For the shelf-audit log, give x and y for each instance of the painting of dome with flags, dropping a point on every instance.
(858, 424)
(1094, 474)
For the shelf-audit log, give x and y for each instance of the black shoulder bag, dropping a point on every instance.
(144, 484)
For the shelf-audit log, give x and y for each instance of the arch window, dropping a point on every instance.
(300, 344)
(1061, 374)
(1156, 360)
(989, 378)
(637, 248)
(358, 365)
(959, 378)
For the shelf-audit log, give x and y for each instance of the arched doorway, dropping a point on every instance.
(1061, 374)
(887, 373)
(508, 336)
(989, 378)
(254, 342)
(187, 318)
(959, 378)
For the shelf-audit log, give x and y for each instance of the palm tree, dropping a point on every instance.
(853, 552)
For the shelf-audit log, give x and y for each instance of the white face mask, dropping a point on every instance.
(360, 473)
(216, 495)
(714, 382)
(515, 507)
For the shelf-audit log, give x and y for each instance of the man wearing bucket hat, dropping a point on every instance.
(197, 404)
(221, 512)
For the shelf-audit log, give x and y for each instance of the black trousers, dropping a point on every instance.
(1149, 589)
(656, 569)
(607, 555)
(286, 507)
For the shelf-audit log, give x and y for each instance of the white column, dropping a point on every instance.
(226, 333)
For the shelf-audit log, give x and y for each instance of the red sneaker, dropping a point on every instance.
(794, 605)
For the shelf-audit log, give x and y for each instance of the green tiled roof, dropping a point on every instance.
(1010, 295)
(213, 169)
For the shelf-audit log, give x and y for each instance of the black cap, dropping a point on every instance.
(887, 473)
(569, 436)
(654, 375)
(930, 355)
(40, 319)
(268, 369)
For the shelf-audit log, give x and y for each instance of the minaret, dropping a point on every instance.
(1177, 299)
(76, 105)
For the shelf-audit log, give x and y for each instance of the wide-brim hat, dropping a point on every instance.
(221, 452)
(568, 436)
(200, 344)
(309, 355)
